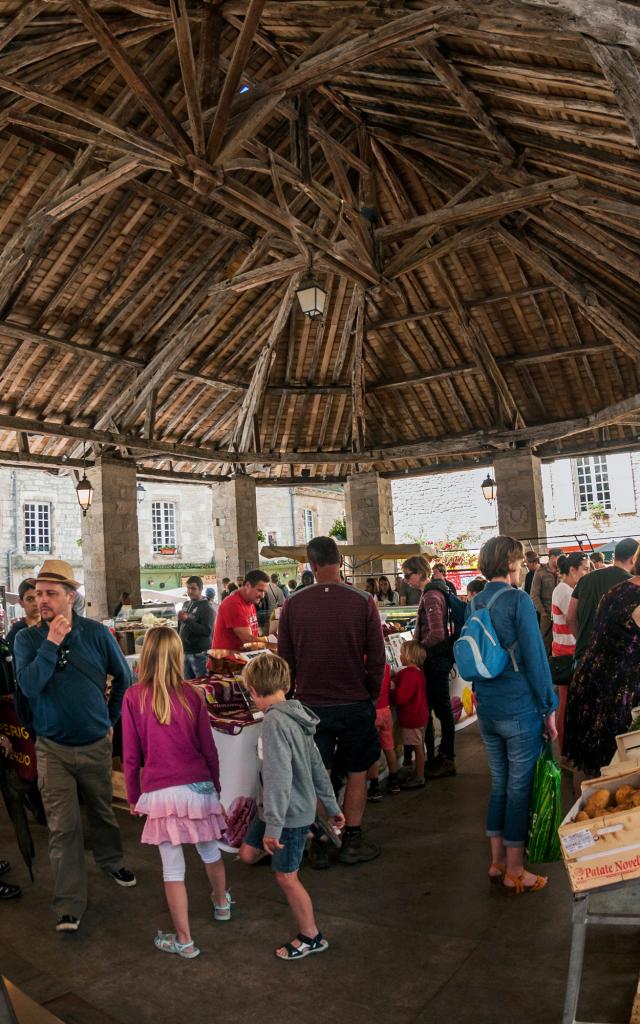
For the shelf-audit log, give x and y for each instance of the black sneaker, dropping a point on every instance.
(374, 795)
(67, 923)
(393, 785)
(441, 768)
(9, 892)
(318, 855)
(413, 783)
(124, 877)
(355, 850)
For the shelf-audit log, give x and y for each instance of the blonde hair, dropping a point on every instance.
(414, 652)
(267, 674)
(161, 671)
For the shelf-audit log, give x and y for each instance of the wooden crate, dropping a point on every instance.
(628, 744)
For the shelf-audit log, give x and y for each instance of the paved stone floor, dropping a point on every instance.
(417, 937)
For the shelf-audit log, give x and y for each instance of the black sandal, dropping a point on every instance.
(306, 948)
(9, 892)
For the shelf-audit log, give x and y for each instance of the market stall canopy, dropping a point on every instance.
(355, 552)
(459, 180)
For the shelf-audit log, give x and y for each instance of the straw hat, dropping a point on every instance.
(56, 571)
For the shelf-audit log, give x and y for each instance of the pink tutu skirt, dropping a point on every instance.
(178, 814)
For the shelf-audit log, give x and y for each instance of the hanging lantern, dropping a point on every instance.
(140, 493)
(311, 296)
(489, 489)
(84, 490)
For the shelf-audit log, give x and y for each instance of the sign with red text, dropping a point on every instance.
(23, 751)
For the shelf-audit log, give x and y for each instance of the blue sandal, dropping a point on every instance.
(306, 948)
(168, 943)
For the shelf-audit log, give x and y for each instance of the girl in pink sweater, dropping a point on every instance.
(172, 776)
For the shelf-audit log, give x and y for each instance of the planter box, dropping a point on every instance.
(604, 850)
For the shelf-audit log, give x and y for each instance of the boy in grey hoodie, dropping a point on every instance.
(292, 779)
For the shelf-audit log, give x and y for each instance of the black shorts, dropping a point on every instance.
(349, 732)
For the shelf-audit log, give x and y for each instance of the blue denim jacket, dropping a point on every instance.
(530, 688)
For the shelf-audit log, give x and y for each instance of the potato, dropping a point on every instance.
(581, 816)
(597, 802)
(624, 793)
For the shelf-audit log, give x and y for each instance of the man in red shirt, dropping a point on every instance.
(330, 635)
(237, 619)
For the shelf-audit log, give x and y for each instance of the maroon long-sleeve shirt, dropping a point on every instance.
(330, 635)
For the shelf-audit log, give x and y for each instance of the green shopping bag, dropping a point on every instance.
(546, 809)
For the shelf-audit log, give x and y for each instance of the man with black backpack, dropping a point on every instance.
(440, 618)
(62, 667)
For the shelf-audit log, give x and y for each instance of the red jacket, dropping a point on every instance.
(411, 697)
(383, 699)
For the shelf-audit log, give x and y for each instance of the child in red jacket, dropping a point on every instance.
(384, 725)
(412, 707)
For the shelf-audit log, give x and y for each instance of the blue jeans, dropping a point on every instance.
(513, 747)
(195, 665)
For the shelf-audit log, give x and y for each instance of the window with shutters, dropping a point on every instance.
(163, 521)
(593, 482)
(37, 527)
(309, 533)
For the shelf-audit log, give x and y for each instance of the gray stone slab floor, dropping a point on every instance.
(417, 937)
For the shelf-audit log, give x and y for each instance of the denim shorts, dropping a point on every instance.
(293, 841)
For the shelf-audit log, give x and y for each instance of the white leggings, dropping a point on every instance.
(173, 868)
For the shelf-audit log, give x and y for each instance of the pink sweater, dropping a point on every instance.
(169, 755)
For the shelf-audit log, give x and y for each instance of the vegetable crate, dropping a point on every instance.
(604, 849)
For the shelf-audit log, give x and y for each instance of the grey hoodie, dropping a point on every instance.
(293, 774)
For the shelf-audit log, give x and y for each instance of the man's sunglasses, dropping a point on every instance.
(63, 658)
(408, 575)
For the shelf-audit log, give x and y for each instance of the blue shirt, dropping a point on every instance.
(68, 704)
(516, 693)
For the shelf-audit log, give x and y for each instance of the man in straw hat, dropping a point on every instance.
(62, 666)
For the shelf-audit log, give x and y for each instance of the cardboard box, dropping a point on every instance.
(604, 850)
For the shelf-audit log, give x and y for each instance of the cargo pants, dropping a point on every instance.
(63, 774)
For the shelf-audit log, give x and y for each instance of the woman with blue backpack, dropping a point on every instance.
(500, 650)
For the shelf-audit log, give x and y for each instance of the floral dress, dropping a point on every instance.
(606, 684)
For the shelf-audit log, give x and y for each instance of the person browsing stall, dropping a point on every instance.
(330, 635)
(29, 605)
(62, 667)
(237, 618)
(195, 626)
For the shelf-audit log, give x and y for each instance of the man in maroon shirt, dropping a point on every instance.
(330, 635)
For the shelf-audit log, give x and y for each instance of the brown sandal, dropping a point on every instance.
(502, 869)
(519, 887)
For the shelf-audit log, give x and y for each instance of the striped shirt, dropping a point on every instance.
(564, 642)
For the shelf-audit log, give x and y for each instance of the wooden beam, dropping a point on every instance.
(133, 76)
(592, 306)
(480, 441)
(498, 204)
(453, 82)
(209, 55)
(252, 402)
(233, 77)
(182, 30)
(149, 427)
(357, 378)
(112, 177)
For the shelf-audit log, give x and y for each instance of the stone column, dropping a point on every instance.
(235, 527)
(518, 478)
(369, 512)
(110, 549)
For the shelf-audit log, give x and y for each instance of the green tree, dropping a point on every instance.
(339, 529)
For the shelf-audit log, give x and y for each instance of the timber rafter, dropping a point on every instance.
(463, 177)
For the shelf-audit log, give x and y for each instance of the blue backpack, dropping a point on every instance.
(478, 653)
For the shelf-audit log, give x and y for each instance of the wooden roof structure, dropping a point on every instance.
(463, 175)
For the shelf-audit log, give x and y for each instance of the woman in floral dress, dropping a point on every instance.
(606, 684)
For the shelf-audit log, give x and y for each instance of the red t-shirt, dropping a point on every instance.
(234, 613)
(411, 697)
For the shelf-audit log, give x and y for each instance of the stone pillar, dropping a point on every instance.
(110, 549)
(369, 513)
(235, 527)
(518, 478)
